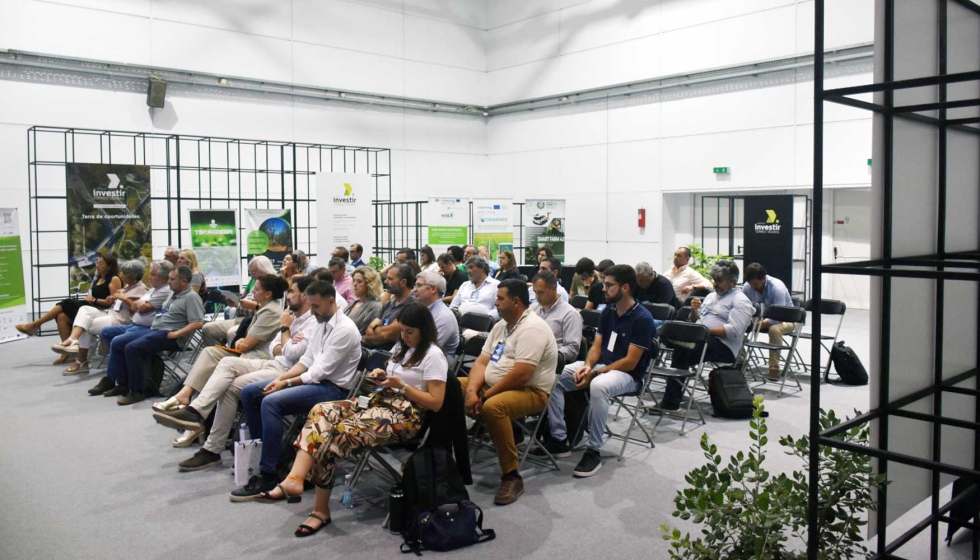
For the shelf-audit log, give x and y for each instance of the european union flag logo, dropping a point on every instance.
(496, 207)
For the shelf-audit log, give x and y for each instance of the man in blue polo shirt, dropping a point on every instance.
(615, 365)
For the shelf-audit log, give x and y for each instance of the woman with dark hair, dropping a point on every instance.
(413, 382)
(428, 259)
(544, 253)
(107, 282)
(508, 266)
(289, 267)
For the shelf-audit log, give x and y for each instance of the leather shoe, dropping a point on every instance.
(511, 488)
(117, 391)
(132, 398)
(105, 384)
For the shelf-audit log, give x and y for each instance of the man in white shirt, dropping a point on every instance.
(325, 372)
(684, 278)
(234, 374)
(477, 294)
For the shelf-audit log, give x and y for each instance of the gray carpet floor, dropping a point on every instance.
(85, 478)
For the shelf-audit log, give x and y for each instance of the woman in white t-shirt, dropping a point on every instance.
(413, 382)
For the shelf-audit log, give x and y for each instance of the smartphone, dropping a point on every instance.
(379, 378)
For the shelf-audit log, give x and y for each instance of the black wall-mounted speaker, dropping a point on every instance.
(156, 93)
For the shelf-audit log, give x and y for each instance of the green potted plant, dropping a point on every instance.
(702, 262)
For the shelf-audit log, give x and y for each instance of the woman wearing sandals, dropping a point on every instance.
(91, 320)
(414, 381)
(106, 282)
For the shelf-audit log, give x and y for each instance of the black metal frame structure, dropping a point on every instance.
(735, 222)
(187, 172)
(938, 267)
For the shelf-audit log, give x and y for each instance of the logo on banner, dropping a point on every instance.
(540, 205)
(771, 225)
(348, 197)
(111, 190)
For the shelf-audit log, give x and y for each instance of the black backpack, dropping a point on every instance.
(155, 377)
(848, 366)
(730, 394)
(966, 510)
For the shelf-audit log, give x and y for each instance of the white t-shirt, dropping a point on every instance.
(433, 367)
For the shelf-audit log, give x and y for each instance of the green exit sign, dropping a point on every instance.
(721, 170)
(869, 161)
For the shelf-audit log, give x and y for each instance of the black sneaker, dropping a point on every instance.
(256, 485)
(200, 461)
(184, 419)
(669, 405)
(589, 465)
(558, 449)
(104, 385)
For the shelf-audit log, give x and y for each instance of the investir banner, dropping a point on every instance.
(269, 232)
(449, 223)
(108, 211)
(544, 226)
(344, 213)
(492, 225)
(214, 237)
(13, 300)
(769, 234)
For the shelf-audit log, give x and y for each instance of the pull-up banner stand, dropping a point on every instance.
(769, 234)
(13, 298)
(344, 213)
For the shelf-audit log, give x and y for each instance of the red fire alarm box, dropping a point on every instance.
(641, 218)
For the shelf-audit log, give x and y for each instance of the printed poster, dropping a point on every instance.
(13, 299)
(344, 211)
(544, 226)
(268, 232)
(492, 225)
(214, 237)
(449, 223)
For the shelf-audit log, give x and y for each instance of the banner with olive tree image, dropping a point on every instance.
(544, 226)
(214, 237)
(269, 232)
(108, 211)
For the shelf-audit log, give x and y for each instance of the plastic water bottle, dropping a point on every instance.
(243, 432)
(348, 496)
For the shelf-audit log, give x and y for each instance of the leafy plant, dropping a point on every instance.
(702, 262)
(377, 263)
(748, 513)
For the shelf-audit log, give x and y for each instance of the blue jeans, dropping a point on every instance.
(266, 414)
(601, 390)
(117, 338)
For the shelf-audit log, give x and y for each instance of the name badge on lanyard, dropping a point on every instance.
(612, 341)
(498, 351)
(387, 321)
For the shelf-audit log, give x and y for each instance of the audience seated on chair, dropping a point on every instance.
(223, 332)
(188, 258)
(413, 383)
(652, 287)
(91, 320)
(383, 330)
(761, 288)
(485, 253)
(296, 327)
(684, 278)
(597, 294)
(453, 275)
(341, 280)
(477, 294)
(565, 321)
(326, 372)
(356, 252)
(727, 313)
(263, 328)
(552, 265)
(508, 266)
(585, 277)
(543, 253)
(305, 265)
(429, 288)
(615, 365)
(343, 254)
(511, 379)
(130, 351)
(365, 305)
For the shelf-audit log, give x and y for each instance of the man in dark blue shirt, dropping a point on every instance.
(615, 365)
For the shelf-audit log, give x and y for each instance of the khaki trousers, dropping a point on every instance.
(499, 411)
(776, 333)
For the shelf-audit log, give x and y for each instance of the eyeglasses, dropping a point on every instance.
(609, 284)
(418, 285)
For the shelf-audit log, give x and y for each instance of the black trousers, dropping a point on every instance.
(684, 358)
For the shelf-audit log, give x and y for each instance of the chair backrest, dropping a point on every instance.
(476, 321)
(680, 331)
(683, 314)
(700, 292)
(578, 302)
(590, 318)
(797, 301)
(474, 345)
(785, 314)
(827, 306)
(660, 311)
(375, 360)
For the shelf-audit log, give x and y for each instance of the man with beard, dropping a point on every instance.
(232, 375)
(325, 372)
(385, 330)
(615, 365)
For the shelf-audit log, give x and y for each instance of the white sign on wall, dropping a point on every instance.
(344, 212)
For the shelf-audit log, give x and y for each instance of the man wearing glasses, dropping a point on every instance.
(429, 289)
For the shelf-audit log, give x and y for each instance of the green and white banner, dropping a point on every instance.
(544, 226)
(13, 299)
(108, 211)
(214, 237)
(492, 225)
(449, 223)
(269, 232)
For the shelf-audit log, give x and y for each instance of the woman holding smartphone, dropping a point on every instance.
(413, 382)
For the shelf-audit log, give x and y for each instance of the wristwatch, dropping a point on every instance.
(401, 390)
(283, 329)
(289, 382)
(595, 369)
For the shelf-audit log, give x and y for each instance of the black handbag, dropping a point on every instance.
(447, 527)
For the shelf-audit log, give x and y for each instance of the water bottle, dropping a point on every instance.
(348, 496)
(243, 432)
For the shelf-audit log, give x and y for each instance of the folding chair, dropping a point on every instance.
(827, 307)
(173, 370)
(753, 348)
(660, 311)
(590, 318)
(688, 333)
(478, 322)
(683, 314)
(467, 353)
(578, 302)
(635, 409)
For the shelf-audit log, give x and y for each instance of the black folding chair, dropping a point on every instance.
(685, 333)
(683, 314)
(590, 318)
(467, 353)
(636, 409)
(478, 322)
(827, 307)
(578, 302)
(756, 351)
(660, 311)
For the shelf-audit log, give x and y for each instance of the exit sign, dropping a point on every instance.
(721, 170)
(869, 161)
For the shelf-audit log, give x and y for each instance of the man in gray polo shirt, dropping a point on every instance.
(429, 289)
(385, 330)
(565, 321)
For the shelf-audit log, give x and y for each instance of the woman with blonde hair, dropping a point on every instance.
(366, 283)
(188, 258)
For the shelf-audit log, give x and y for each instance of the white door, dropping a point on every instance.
(852, 242)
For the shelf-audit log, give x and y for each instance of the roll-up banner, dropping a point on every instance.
(769, 234)
(13, 299)
(214, 237)
(268, 232)
(108, 211)
(544, 226)
(344, 212)
(449, 223)
(492, 226)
